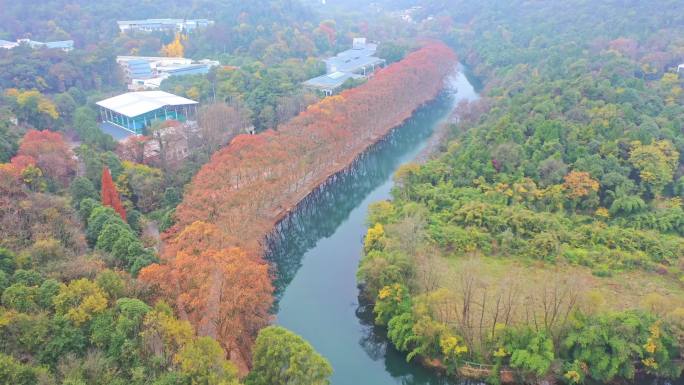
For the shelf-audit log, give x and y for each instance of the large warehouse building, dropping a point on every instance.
(133, 111)
(355, 63)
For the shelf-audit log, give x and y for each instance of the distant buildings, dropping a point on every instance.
(147, 72)
(4, 44)
(154, 25)
(408, 15)
(65, 45)
(355, 63)
(680, 69)
(134, 111)
(358, 60)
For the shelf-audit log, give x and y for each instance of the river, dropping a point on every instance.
(319, 253)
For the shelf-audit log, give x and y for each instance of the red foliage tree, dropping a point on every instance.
(10, 186)
(51, 153)
(20, 162)
(329, 32)
(133, 148)
(109, 195)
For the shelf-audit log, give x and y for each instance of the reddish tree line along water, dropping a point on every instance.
(212, 268)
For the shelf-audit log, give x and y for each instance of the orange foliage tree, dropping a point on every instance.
(579, 184)
(214, 250)
(109, 195)
(50, 153)
(222, 290)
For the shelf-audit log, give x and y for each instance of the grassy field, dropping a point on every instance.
(530, 281)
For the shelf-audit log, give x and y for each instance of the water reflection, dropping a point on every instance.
(316, 251)
(319, 215)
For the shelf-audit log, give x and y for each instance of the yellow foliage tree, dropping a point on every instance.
(579, 184)
(175, 48)
(80, 300)
(452, 346)
(375, 238)
(655, 162)
(32, 107)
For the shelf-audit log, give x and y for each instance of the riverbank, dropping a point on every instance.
(318, 254)
(517, 248)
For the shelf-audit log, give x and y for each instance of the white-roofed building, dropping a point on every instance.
(65, 45)
(150, 25)
(354, 63)
(330, 83)
(134, 111)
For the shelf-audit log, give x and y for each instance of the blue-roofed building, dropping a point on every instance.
(185, 69)
(137, 69)
(147, 72)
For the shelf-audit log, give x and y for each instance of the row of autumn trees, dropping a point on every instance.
(212, 268)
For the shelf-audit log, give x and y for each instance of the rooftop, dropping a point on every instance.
(331, 81)
(132, 104)
(351, 63)
(165, 21)
(366, 49)
(65, 44)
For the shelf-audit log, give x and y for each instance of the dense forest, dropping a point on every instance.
(546, 240)
(542, 241)
(266, 48)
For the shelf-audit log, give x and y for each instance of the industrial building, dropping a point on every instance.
(135, 111)
(356, 63)
(154, 25)
(147, 72)
(358, 60)
(329, 83)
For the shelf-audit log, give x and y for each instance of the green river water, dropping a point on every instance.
(319, 249)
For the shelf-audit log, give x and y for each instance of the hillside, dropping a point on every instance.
(548, 236)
